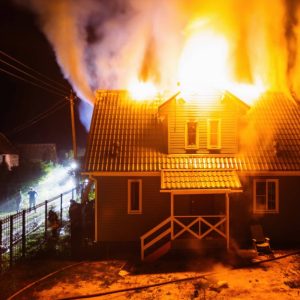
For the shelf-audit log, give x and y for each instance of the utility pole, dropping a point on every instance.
(72, 98)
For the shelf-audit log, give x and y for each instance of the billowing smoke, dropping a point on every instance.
(102, 44)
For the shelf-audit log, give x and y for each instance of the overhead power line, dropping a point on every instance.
(36, 119)
(31, 82)
(32, 76)
(33, 70)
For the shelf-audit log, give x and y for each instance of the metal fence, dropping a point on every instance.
(23, 232)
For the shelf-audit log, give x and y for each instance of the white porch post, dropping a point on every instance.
(172, 215)
(227, 220)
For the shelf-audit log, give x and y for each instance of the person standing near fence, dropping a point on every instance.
(32, 194)
(53, 222)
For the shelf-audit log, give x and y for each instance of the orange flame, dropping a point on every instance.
(205, 64)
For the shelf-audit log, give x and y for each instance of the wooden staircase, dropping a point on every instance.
(156, 254)
(158, 241)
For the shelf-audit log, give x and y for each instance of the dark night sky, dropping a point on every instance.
(21, 101)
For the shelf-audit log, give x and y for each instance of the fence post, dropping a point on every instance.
(11, 237)
(23, 232)
(0, 246)
(61, 208)
(46, 213)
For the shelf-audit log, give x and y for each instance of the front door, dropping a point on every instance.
(200, 216)
(208, 204)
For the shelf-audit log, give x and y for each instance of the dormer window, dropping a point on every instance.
(191, 135)
(214, 134)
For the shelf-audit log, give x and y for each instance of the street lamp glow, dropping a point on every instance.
(73, 165)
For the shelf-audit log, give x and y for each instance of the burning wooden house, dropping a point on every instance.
(194, 169)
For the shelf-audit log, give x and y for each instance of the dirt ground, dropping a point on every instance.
(232, 279)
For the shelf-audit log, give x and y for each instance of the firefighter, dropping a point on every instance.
(53, 222)
(32, 198)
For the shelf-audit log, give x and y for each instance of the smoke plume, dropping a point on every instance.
(101, 44)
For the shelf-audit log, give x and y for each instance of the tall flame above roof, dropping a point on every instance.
(107, 44)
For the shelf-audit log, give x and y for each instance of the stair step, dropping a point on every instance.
(158, 252)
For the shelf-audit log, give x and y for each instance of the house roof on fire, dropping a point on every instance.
(125, 136)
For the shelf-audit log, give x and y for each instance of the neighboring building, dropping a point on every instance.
(197, 168)
(8, 152)
(38, 152)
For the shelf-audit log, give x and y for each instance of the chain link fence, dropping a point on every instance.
(23, 232)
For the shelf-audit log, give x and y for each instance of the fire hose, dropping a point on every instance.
(43, 278)
(142, 287)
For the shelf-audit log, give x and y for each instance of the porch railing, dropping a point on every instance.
(155, 235)
(175, 226)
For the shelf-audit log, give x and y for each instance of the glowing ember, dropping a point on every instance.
(142, 90)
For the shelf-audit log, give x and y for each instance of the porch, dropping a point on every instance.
(192, 226)
(199, 212)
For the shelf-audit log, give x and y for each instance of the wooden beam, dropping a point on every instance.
(198, 191)
(172, 216)
(97, 210)
(227, 221)
(123, 174)
(74, 141)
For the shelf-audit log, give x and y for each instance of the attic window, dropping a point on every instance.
(265, 196)
(191, 135)
(213, 133)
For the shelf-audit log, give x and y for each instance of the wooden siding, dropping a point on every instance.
(180, 114)
(115, 224)
(282, 228)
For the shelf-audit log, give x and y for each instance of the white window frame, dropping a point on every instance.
(266, 210)
(187, 146)
(130, 210)
(209, 146)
